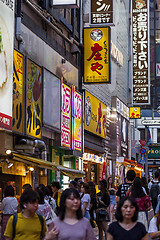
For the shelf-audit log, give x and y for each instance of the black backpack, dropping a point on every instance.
(15, 222)
(155, 190)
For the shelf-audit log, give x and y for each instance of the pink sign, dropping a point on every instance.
(66, 116)
(77, 121)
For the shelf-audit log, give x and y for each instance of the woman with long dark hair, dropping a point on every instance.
(70, 224)
(102, 216)
(85, 200)
(126, 226)
(112, 191)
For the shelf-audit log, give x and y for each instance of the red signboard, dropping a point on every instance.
(5, 121)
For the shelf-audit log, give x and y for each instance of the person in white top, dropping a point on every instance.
(8, 207)
(85, 200)
(154, 226)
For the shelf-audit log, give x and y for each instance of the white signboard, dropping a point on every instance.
(66, 3)
(151, 122)
(6, 62)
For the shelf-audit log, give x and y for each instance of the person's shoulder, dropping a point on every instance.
(140, 225)
(56, 220)
(84, 221)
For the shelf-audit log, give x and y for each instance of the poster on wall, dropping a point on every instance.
(6, 62)
(97, 55)
(77, 121)
(33, 99)
(124, 137)
(17, 116)
(66, 116)
(51, 100)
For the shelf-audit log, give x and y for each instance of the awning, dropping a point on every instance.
(49, 165)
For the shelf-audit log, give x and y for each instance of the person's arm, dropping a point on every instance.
(90, 234)
(145, 237)
(109, 236)
(154, 235)
(52, 234)
(84, 208)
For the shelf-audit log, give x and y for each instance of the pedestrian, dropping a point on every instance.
(29, 225)
(123, 188)
(49, 199)
(70, 224)
(56, 194)
(73, 184)
(154, 190)
(8, 207)
(154, 226)
(145, 185)
(26, 187)
(78, 181)
(112, 192)
(142, 200)
(102, 215)
(126, 227)
(93, 203)
(85, 200)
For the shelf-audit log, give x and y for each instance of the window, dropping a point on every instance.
(158, 135)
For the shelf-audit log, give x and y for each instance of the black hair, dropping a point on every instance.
(27, 186)
(144, 181)
(156, 174)
(56, 184)
(118, 213)
(66, 194)
(47, 191)
(92, 189)
(131, 175)
(50, 190)
(74, 183)
(76, 179)
(41, 195)
(28, 196)
(42, 187)
(86, 187)
(137, 190)
(9, 191)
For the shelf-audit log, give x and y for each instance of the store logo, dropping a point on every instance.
(140, 4)
(96, 34)
(88, 110)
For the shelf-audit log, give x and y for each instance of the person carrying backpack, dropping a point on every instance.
(27, 224)
(154, 187)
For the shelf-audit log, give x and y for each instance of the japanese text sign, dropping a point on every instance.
(34, 99)
(97, 55)
(101, 12)
(77, 121)
(6, 62)
(95, 115)
(140, 52)
(66, 116)
(17, 117)
(135, 112)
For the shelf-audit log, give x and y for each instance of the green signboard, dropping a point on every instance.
(154, 152)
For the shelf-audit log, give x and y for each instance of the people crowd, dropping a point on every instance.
(80, 211)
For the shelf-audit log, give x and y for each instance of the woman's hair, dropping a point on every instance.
(118, 213)
(41, 195)
(28, 196)
(103, 184)
(137, 190)
(9, 191)
(144, 181)
(92, 189)
(56, 184)
(67, 193)
(112, 184)
(86, 187)
(74, 183)
(27, 186)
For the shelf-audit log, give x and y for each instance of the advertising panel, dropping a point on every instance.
(78, 121)
(6, 62)
(140, 52)
(101, 12)
(97, 55)
(95, 115)
(51, 100)
(135, 112)
(17, 117)
(66, 116)
(66, 3)
(34, 99)
(124, 137)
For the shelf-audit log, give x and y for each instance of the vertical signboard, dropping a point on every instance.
(34, 99)
(6, 62)
(97, 55)
(66, 116)
(101, 12)
(17, 117)
(124, 137)
(140, 52)
(77, 121)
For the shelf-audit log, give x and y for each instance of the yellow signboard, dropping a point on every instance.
(97, 55)
(95, 115)
(135, 112)
(77, 121)
(17, 119)
(34, 99)
(16, 169)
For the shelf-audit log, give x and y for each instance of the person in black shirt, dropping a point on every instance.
(127, 227)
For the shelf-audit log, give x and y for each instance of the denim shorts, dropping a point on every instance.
(87, 215)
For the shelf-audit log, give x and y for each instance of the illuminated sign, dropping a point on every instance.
(17, 117)
(77, 121)
(95, 115)
(140, 52)
(97, 55)
(135, 112)
(66, 116)
(6, 62)
(101, 12)
(34, 99)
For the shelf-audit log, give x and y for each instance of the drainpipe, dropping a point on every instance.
(18, 25)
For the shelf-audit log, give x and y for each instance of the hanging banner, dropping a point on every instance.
(66, 116)
(97, 55)
(34, 99)
(6, 62)
(101, 12)
(95, 115)
(77, 121)
(140, 52)
(17, 117)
